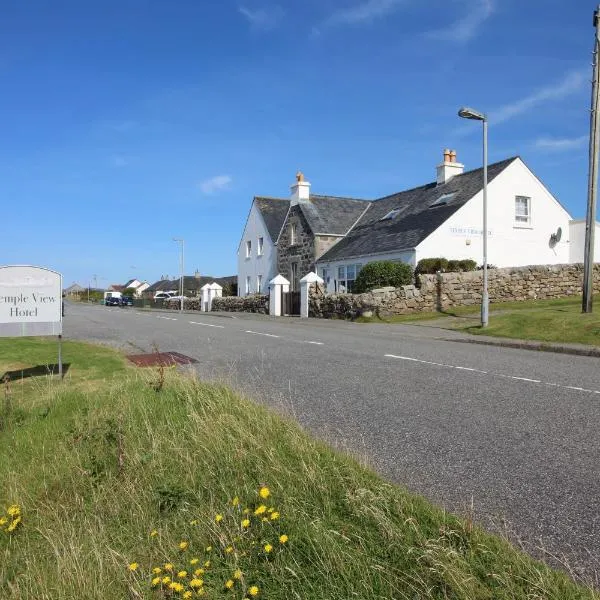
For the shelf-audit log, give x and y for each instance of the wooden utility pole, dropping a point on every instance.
(590, 222)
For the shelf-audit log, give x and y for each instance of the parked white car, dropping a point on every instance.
(163, 295)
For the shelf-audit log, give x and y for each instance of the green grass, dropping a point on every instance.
(97, 468)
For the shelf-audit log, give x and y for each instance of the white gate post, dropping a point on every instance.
(277, 286)
(305, 284)
(205, 297)
(214, 291)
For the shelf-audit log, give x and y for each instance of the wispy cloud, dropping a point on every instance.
(215, 184)
(561, 144)
(263, 19)
(469, 26)
(571, 83)
(364, 12)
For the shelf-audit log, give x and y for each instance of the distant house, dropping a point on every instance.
(192, 284)
(137, 285)
(337, 236)
(74, 290)
(115, 287)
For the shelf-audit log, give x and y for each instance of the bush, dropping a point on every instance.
(467, 264)
(383, 273)
(453, 266)
(430, 266)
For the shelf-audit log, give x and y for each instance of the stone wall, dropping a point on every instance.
(256, 303)
(438, 292)
(301, 252)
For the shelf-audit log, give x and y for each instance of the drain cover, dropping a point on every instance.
(158, 359)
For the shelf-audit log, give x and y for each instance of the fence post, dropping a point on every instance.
(277, 286)
(305, 284)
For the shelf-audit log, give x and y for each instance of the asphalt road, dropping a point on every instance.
(512, 433)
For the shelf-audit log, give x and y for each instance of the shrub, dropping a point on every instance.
(383, 273)
(453, 266)
(467, 264)
(430, 266)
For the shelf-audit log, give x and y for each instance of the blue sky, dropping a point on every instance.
(125, 123)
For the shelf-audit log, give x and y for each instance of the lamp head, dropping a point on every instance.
(470, 113)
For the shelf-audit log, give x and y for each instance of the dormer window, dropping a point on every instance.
(444, 199)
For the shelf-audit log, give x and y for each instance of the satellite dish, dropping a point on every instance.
(558, 234)
(555, 237)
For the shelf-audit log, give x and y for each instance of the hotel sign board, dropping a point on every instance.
(30, 301)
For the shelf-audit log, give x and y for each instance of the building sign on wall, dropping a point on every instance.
(468, 231)
(30, 301)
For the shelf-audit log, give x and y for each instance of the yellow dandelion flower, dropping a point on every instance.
(207, 564)
(133, 566)
(155, 581)
(187, 594)
(208, 548)
(229, 584)
(260, 510)
(182, 574)
(235, 501)
(268, 548)
(168, 567)
(194, 561)
(218, 518)
(176, 586)
(199, 572)
(156, 570)
(14, 510)
(237, 574)
(153, 533)
(196, 583)
(264, 492)
(183, 545)
(194, 522)
(13, 525)
(166, 580)
(274, 516)
(283, 539)
(246, 523)
(229, 549)
(253, 591)
(3, 521)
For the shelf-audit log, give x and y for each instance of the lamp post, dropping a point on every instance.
(469, 113)
(181, 270)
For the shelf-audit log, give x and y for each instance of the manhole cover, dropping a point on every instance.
(158, 359)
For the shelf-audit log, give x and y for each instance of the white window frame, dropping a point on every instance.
(260, 246)
(523, 220)
(248, 284)
(258, 284)
(293, 234)
(343, 285)
(248, 248)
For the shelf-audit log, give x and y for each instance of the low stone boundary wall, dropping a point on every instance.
(188, 304)
(455, 289)
(253, 304)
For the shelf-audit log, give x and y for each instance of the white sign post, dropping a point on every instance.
(31, 303)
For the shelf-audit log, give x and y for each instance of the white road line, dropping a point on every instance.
(207, 325)
(315, 343)
(167, 318)
(526, 379)
(265, 334)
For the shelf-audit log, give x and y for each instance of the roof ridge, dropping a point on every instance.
(340, 197)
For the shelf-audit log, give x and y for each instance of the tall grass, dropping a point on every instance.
(96, 471)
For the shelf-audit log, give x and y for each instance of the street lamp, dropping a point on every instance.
(181, 270)
(469, 113)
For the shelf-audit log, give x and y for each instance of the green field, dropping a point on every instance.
(115, 467)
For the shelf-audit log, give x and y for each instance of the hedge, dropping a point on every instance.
(382, 273)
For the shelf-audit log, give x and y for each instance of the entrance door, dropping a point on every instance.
(290, 304)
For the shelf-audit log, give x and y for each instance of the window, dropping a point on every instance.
(258, 283)
(293, 234)
(442, 200)
(260, 246)
(523, 210)
(391, 215)
(346, 277)
(247, 284)
(248, 249)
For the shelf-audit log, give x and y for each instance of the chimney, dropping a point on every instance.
(449, 168)
(300, 190)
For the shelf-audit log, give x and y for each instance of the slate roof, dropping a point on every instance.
(332, 215)
(191, 283)
(273, 211)
(415, 221)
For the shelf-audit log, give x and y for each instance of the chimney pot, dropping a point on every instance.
(453, 156)
(446, 155)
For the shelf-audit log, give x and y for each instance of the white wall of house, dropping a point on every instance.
(511, 242)
(141, 288)
(336, 280)
(256, 269)
(577, 241)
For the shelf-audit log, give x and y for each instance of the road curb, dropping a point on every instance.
(537, 346)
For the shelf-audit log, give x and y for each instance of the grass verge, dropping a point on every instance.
(112, 478)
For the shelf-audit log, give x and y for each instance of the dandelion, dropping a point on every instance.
(14, 510)
(229, 584)
(253, 591)
(199, 572)
(218, 518)
(237, 574)
(246, 523)
(156, 570)
(260, 510)
(207, 564)
(194, 522)
(13, 525)
(182, 574)
(194, 561)
(183, 545)
(235, 501)
(264, 492)
(153, 533)
(176, 586)
(166, 580)
(268, 548)
(283, 539)
(274, 516)
(208, 548)
(155, 581)
(133, 566)
(196, 583)
(3, 521)
(187, 594)
(229, 549)
(168, 567)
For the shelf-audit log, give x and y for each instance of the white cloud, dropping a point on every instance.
(573, 82)
(469, 26)
(364, 12)
(561, 144)
(215, 184)
(263, 19)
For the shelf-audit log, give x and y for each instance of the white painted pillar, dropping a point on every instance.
(205, 297)
(305, 284)
(277, 285)
(214, 291)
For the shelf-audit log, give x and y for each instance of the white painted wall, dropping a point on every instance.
(332, 266)
(265, 265)
(577, 239)
(510, 244)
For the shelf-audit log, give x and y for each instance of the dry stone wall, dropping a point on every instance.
(257, 303)
(437, 292)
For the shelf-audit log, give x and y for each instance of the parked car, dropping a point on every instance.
(163, 295)
(126, 301)
(112, 301)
